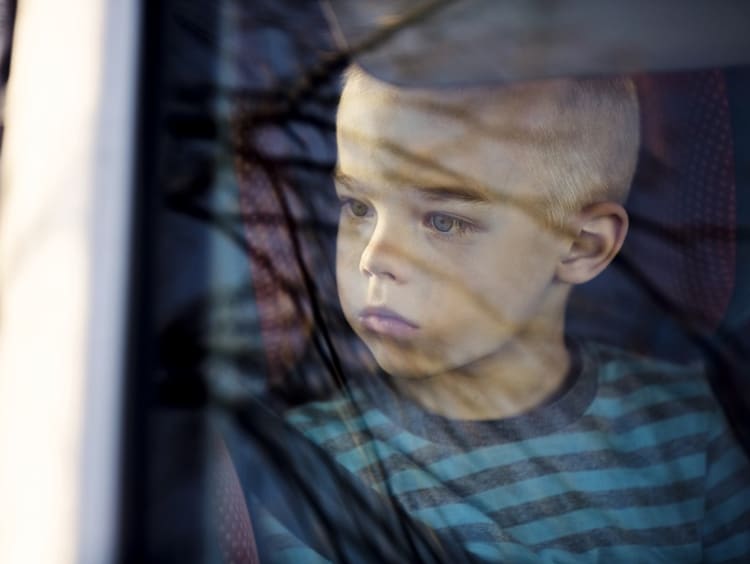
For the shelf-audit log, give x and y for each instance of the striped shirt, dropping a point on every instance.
(633, 462)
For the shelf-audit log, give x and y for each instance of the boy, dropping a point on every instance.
(467, 216)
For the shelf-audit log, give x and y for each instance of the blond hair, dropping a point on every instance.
(596, 161)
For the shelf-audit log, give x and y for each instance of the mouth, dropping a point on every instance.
(386, 322)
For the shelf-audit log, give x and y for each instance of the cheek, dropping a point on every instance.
(349, 249)
(520, 282)
(498, 281)
(348, 252)
(350, 242)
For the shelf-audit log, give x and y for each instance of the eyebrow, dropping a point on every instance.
(343, 178)
(459, 193)
(433, 193)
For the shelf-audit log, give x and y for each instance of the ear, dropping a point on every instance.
(600, 231)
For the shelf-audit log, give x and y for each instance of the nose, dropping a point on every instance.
(384, 255)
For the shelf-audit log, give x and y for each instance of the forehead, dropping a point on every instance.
(489, 138)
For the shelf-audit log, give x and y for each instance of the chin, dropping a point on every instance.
(400, 363)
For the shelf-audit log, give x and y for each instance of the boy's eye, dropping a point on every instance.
(444, 223)
(358, 208)
(355, 208)
(449, 225)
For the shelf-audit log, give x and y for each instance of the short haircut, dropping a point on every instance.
(586, 143)
(597, 161)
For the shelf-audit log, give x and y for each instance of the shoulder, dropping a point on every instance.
(344, 405)
(614, 363)
(621, 373)
(335, 410)
(336, 421)
(666, 397)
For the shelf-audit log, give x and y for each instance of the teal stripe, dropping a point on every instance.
(365, 455)
(627, 553)
(735, 547)
(730, 461)
(631, 518)
(309, 412)
(609, 408)
(493, 552)
(616, 406)
(332, 429)
(457, 466)
(407, 443)
(729, 510)
(615, 370)
(589, 481)
(453, 515)
(536, 489)
(509, 552)
(501, 551)
(375, 451)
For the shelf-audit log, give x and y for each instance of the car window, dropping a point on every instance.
(413, 291)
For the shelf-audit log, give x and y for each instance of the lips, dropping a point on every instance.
(386, 322)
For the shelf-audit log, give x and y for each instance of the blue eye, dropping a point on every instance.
(358, 208)
(446, 225)
(354, 207)
(443, 223)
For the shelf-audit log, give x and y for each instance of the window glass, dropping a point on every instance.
(419, 290)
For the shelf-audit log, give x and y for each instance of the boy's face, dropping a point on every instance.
(442, 258)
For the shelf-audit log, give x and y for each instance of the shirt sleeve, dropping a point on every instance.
(726, 526)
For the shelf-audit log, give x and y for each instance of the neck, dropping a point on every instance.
(520, 375)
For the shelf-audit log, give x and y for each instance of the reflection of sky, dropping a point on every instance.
(485, 40)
